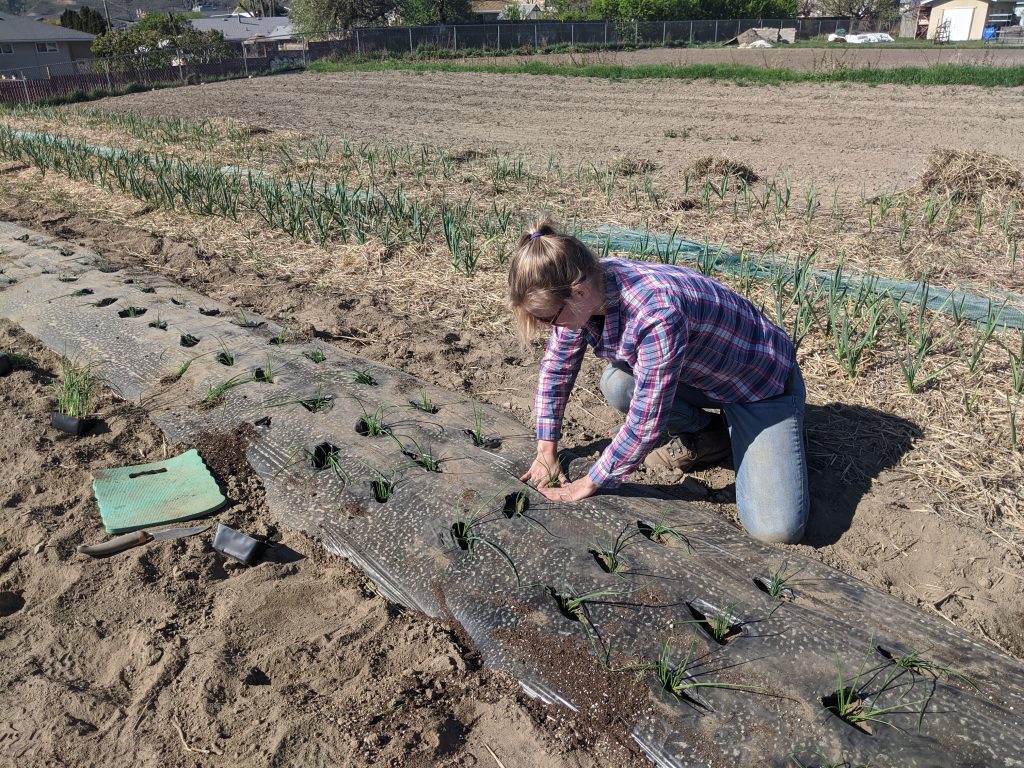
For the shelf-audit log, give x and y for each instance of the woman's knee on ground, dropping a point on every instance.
(774, 524)
(617, 388)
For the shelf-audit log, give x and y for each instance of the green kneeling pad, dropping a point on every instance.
(147, 495)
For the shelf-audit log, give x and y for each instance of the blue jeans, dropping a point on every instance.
(767, 449)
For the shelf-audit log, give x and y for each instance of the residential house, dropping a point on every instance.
(31, 49)
(495, 10)
(238, 28)
(956, 20)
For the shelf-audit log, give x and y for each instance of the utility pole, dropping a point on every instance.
(106, 12)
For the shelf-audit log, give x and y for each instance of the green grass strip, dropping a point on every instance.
(741, 74)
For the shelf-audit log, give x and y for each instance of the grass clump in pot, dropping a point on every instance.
(75, 390)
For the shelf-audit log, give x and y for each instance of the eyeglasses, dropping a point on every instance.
(552, 320)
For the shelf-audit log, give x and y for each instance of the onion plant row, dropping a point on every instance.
(310, 209)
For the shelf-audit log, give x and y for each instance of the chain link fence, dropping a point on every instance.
(82, 78)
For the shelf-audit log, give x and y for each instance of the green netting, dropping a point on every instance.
(669, 249)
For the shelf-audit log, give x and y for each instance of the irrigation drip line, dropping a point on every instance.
(670, 249)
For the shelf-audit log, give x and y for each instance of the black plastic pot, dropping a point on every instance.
(5, 365)
(71, 425)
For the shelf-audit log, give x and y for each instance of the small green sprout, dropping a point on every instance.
(776, 584)
(662, 534)
(372, 423)
(573, 604)
(266, 373)
(181, 371)
(466, 535)
(609, 553)
(314, 404)
(217, 391)
(315, 355)
(424, 404)
(224, 357)
(362, 376)
(424, 455)
(678, 680)
(279, 339)
(159, 323)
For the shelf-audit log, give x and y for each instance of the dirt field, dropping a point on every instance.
(915, 493)
(852, 136)
(799, 59)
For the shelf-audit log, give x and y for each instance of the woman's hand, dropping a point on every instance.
(545, 470)
(574, 491)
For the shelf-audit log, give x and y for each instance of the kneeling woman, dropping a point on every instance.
(678, 344)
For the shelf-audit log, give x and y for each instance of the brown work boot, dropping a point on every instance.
(688, 449)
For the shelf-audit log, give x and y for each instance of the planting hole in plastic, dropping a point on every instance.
(483, 442)
(382, 490)
(765, 585)
(460, 534)
(225, 358)
(159, 324)
(563, 605)
(363, 429)
(607, 562)
(853, 705)
(324, 455)
(717, 623)
(132, 312)
(261, 375)
(147, 289)
(516, 504)
(105, 302)
(188, 340)
(83, 292)
(427, 461)
(209, 312)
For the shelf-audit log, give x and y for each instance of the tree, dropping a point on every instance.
(422, 12)
(512, 12)
(881, 10)
(84, 20)
(312, 16)
(160, 38)
(17, 7)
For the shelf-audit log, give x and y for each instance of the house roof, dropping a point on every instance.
(20, 29)
(489, 6)
(236, 28)
(926, 3)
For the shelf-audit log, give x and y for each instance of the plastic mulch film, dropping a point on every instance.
(427, 503)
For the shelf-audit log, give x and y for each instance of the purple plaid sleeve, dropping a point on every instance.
(661, 344)
(558, 370)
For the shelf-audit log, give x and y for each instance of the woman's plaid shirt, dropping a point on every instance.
(671, 325)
